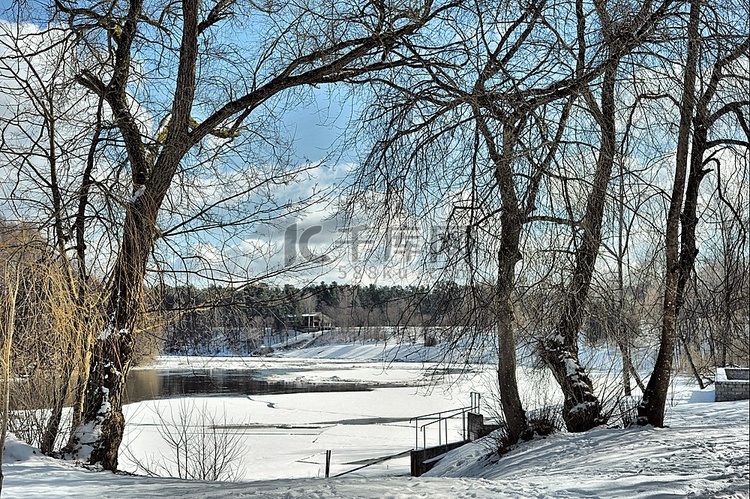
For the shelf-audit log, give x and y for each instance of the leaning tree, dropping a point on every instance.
(211, 74)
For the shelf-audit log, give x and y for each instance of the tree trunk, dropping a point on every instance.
(627, 361)
(99, 434)
(623, 335)
(82, 378)
(508, 257)
(12, 284)
(693, 368)
(52, 429)
(626, 367)
(85, 325)
(511, 223)
(581, 408)
(689, 218)
(651, 408)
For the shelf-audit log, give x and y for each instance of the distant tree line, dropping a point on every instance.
(193, 316)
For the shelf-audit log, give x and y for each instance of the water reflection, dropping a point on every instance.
(150, 384)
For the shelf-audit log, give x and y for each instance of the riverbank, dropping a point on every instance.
(703, 454)
(284, 438)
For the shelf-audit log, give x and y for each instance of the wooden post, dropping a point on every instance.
(328, 463)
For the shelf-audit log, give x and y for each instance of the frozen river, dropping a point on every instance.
(286, 413)
(284, 436)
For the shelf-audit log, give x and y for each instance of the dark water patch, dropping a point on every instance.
(439, 371)
(151, 384)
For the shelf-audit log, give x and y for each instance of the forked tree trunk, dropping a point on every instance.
(97, 437)
(581, 407)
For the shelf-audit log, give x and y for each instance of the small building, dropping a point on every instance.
(317, 321)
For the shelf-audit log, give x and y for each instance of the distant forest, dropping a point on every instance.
(238, 319)
(215, 319)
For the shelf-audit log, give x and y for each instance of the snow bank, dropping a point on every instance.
(17, 451)
(703, 454)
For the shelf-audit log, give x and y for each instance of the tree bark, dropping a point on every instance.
(508, 256)
(651, 408)
(511, 223)
(581, 407)
(99, 434)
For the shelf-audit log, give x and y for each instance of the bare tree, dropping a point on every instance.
(34, 325)
(7, 314)
(202, 445)
(697, 116)
(50, 155)
(212, 95)
(461, 122)
(722, 275)
(486, 117)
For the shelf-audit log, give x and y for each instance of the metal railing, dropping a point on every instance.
(441, 420)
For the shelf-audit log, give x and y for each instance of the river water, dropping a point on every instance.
(151, 384)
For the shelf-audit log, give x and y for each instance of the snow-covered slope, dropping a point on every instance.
(703, 452)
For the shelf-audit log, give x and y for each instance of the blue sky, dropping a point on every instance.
(319, 126)
(316, 128)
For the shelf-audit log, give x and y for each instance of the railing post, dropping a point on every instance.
(475, 402)
(416, 434)
(440, 433)
(463, 423)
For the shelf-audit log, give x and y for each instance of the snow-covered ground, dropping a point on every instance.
(704, 451)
